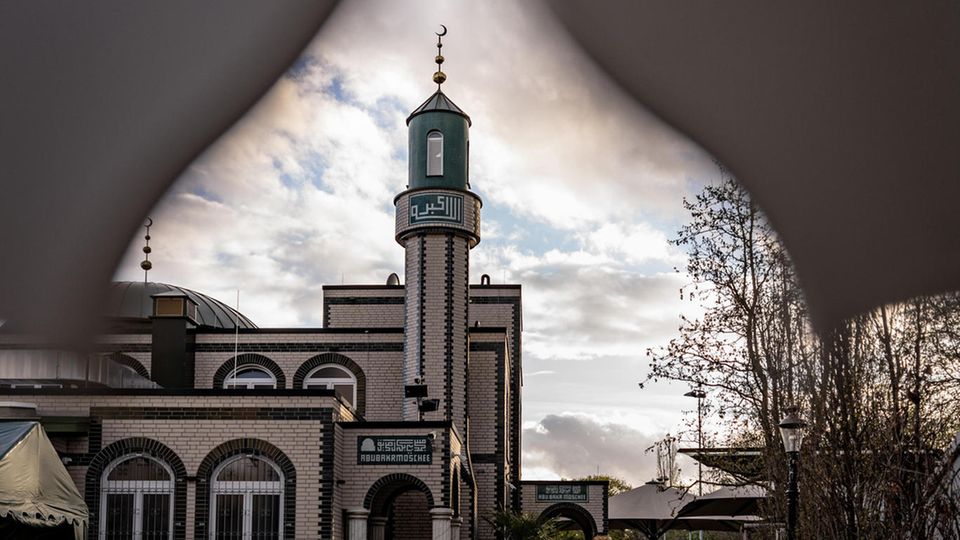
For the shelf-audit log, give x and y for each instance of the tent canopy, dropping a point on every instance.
(35, 489)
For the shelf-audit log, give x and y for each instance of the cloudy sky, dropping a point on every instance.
(582, 189)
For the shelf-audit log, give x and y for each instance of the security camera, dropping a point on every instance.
(417, 380)
(432, 435)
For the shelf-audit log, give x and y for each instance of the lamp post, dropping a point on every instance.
(791, 429)
(699, 394)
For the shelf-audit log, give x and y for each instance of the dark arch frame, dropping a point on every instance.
(385, 489)
(134, 445)
(335, 358)
(580, 515)
(229, 449)
(130, 362)
(249, 359)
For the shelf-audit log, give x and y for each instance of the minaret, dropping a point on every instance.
(438, 222)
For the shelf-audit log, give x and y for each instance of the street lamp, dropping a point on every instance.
(699, 394)
(791, 429)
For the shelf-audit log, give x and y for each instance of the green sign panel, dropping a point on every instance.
(400, 450)
(563, 492)
(436, 208)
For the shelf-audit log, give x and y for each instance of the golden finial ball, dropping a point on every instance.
(146, 249)
(439, 59)
(146, 265)
(439, 77)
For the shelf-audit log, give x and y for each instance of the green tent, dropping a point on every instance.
(38, 499)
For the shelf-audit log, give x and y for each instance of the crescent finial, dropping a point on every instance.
(441, 34)
(149, 222)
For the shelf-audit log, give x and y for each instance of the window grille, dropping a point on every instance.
(247, 500)
(435, 154)
(336, 378)
(136, 500)
(250, 377)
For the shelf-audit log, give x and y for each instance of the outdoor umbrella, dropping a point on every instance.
(653, 509)
(650, 508)
(726, 501)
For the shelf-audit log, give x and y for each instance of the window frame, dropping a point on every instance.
(231, 382)
(430, 137)
(310, 381)
(242, 487)
(137, 488)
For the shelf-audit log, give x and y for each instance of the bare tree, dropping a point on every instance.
(879, 391)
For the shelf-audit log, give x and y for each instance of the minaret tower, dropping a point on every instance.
(438, 222)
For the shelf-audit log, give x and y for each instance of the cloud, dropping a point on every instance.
(573, 446)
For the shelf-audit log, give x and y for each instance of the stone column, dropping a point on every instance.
(455, 524)
(441, 523)
(378, 528)
(357, 523)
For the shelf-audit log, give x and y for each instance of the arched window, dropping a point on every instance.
(246, 499)
(435, 153)
(336, 378)
(250, 377)
(136, 499)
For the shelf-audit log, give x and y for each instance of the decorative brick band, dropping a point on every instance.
(125, 447)
(421, 290)
(341, 360)
(448, 331)
(327, 467)
(363, 300)
(209, 413)
(249, 359)
(382, 492)
(580, 515)
(255, 447)
(316, 346)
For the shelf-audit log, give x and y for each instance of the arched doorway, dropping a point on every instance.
(574, 517)
(399, 504)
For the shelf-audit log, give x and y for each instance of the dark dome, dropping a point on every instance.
(133, 299)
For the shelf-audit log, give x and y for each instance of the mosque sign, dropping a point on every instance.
(562, 492)
(436, 208)
(403, 450)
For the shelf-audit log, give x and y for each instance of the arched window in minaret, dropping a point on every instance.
(435, 153)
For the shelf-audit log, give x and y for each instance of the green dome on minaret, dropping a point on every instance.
(439, 140)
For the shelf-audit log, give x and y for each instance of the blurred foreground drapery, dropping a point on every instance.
(103, 104)
(841, 119)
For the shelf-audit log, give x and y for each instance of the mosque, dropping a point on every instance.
(399, 418)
